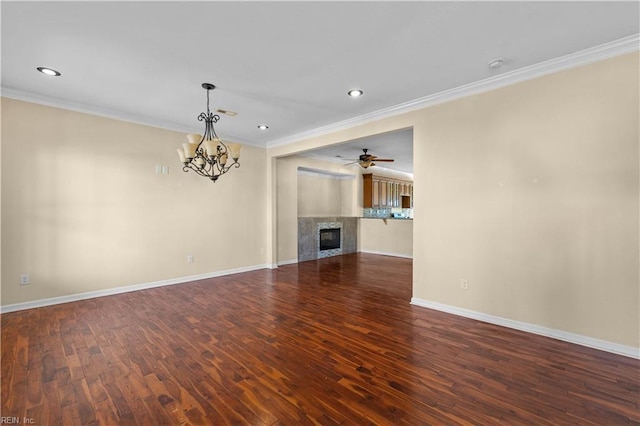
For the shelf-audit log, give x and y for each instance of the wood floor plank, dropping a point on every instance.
(333, 341)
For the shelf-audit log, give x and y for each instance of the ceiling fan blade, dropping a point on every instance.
(384, 159)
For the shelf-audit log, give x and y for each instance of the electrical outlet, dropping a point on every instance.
(464, 284)
(24, 279)
(190, 258)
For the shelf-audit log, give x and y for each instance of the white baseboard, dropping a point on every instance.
(124, 289)
(590, 342)
(382, 253)
(287, 262)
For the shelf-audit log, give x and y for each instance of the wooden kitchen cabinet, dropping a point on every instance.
(382, 191)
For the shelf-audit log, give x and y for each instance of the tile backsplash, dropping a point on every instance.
(384, 212)
(376, 212)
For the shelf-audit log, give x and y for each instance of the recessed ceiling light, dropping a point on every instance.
(496, 63)
(354, 93)
(263, 127)
(48, 71)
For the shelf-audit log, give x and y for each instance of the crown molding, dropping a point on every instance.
(308, 171)
(594, 54)
(49, 101)
(573, 60)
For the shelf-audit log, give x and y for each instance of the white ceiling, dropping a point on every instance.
(285, 64)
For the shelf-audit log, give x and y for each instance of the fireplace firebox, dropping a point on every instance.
(329, 239)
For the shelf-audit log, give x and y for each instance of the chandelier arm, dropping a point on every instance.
(208, 172)
(207, 130)
(212, 169)
(223, 148)
(225, 169)
(219, 169)
(209, 119)
(194, 168)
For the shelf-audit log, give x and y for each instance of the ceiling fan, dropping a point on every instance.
(367, 160)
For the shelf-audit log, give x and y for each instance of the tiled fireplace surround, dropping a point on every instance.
(308, 236)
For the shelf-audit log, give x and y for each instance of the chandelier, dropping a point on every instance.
(207, 155)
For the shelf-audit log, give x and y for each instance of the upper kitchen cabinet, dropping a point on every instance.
(382, 191)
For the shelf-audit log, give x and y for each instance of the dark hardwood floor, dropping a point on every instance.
(333, 341)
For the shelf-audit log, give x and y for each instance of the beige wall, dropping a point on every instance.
(393, 237)
(319, 195)
(531, 193)
(83, 209)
